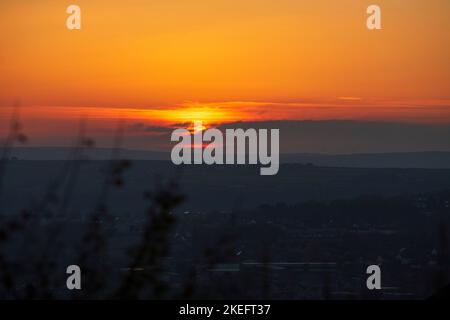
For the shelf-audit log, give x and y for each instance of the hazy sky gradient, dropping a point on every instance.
(223, 60)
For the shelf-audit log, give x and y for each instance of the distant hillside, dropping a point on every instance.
(427, 160)
(209, 188)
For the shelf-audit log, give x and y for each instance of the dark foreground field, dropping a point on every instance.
(307, 233)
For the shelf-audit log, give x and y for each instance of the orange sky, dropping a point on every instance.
(224, 60)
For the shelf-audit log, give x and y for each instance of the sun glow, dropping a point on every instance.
(206, 114)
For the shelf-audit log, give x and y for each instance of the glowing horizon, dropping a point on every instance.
(47, 119)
